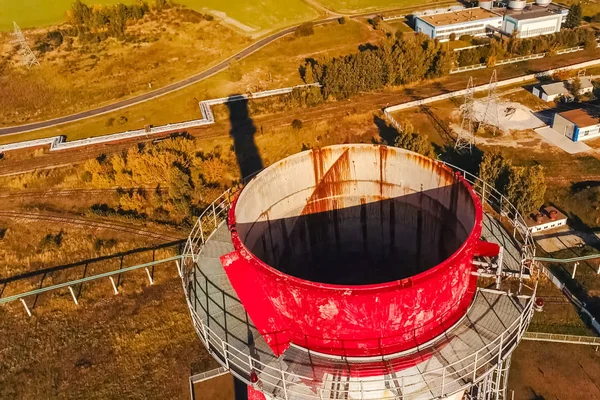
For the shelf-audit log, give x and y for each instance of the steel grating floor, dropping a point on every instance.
(491, 313)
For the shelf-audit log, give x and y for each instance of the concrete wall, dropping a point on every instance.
(539, 26)
(423, 27)
(589, 132)
(563, 126)
(549, 225)
(505, 82)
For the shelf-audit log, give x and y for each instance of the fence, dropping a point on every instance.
(59, 142)
(511, 60)
(560, 338)
(484, 87)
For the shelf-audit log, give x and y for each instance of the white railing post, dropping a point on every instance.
(443, 381)
(224, 345)
(214, 214)
(285, 394)
(475, 367)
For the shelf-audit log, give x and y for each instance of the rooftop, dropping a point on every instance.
(457, 17)
(581, 117)
(533, 11)
(561, 87)
(545, 215)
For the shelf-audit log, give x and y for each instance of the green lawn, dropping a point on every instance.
(368, 5)
(266, 14)
(38, 13)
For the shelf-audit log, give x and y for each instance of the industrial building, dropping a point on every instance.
(531, 20)
(557, 90)
(528, 20)
(470, 21)
(547, 218)
(578, 124)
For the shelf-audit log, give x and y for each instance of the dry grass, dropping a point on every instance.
(272, 67)
(136, 345)
(541, 370)
(161, 49)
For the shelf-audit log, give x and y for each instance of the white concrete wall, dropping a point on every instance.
(481, 88)
(549, 225)
(423, 27)
(589, 132)
(537, 27)
(563, 126)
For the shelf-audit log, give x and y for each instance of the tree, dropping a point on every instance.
(297, 124)
(305, 29)
(452, 37)
(526, 188)
(494, 169)
(410, 140)
(575, 88)
(574, 17)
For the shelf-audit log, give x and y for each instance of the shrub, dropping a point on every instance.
(342, 20)
(297, 124)
(305, 29)
(122, 119)
(452, 37)
(466, 38)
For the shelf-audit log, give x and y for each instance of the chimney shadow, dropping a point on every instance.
(243, 132)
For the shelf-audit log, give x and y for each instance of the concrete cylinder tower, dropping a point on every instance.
(348, 272)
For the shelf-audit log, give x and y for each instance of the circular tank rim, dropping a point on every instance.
(470, 242)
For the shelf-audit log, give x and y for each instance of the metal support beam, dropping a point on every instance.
(149, 276)
(574, 270)
(73, 295)
(26, 308)
(114, 285)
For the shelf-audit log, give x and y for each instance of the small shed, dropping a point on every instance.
(545, 219)
(578, 124)
(552, 91)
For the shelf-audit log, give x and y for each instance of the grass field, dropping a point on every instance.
(272, 67)
(263, 15)
(551, 371)
(349, 6)
(163, 48)
(39, 13)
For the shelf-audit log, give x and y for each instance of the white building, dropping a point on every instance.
(578, 124)
(547, 218)
(470, 21)
(534, 20)
(553, 91)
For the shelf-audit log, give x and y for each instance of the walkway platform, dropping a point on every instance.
(467, 353)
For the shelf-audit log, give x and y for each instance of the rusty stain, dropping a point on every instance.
(368, 319)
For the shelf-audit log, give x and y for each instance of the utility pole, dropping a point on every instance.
(28, 58)
(465, 137)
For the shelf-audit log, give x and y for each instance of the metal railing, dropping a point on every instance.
(514, 59)
(560, 338)
(60, 143)
(445, 380)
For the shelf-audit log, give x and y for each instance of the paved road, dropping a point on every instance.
(178, 85)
